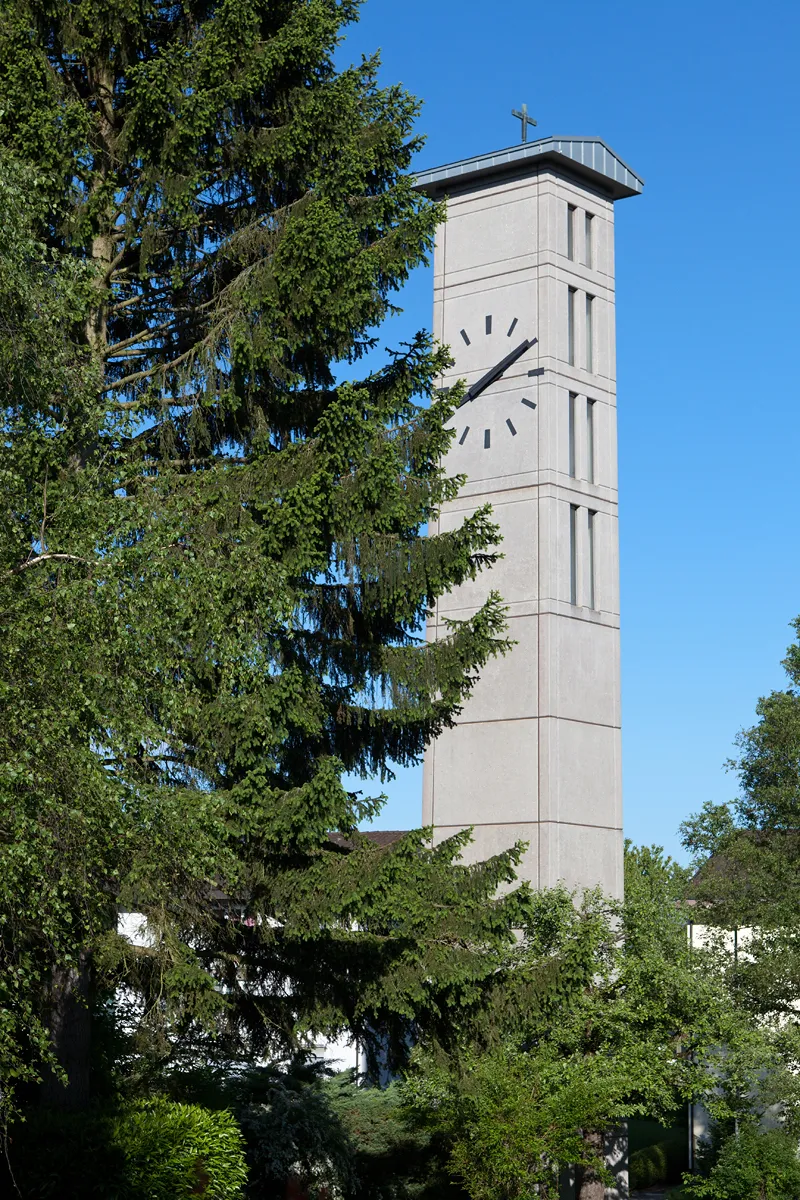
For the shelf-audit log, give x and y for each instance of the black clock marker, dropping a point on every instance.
(511, 427)
(530, 403)
(463, 437)
(464, 335)
(487, 439)
(489, 323)
(512, 327)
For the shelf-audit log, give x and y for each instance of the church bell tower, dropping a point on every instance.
(524, 296)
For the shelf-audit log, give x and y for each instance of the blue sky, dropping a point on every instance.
(702, 100)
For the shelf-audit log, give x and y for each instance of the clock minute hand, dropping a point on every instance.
(498, 370)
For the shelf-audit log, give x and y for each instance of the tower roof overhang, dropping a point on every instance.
(588, 158)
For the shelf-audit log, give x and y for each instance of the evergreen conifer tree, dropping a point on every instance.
(214, 574)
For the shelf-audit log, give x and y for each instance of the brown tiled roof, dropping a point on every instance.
(379, 837)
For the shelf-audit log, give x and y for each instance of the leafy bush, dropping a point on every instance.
(750, 1165)
(142, 1150)
(393, 1156)
(293, 1136)
(658, 1153)
(649, 1166)
(325, 1136)
(180, 1150)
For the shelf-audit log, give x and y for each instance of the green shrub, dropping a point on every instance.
(142, 1150)
(330, 1137)
(293, 1136)
(649, 1166)
(394, 1158)
(750, 1165)
(310, 1133)
(180, 1150)
(658, 1153)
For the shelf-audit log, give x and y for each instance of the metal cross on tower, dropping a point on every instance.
(522, 115)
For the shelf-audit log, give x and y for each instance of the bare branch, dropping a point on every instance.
(40, 558)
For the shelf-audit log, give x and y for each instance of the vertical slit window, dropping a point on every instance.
(589, 333)
(588, 247)
(590, 441)
(573, 554)
(571, 231)
(571, 326)
(571, 433)
(592, 587)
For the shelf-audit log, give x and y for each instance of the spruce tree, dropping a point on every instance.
(215, 572)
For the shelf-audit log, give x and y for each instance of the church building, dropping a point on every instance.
(524, 296)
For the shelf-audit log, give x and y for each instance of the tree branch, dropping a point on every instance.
(40, 558)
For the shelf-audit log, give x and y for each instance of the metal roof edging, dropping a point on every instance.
(620, 174)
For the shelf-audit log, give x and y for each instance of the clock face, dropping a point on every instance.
(498, 417)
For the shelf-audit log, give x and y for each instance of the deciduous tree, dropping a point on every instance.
(604, 1014)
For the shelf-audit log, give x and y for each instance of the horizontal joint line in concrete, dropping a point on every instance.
(549, 716)
(545, 821)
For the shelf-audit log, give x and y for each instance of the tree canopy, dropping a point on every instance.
(214, 574)
(633, 1023)
(746, 890)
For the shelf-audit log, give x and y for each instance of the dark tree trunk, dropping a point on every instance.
(589, 1186)
(70, 1032)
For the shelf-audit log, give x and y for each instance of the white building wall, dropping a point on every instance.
(535, 754)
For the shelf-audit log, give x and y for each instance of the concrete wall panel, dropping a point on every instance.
(579, 773)
(486, 772)
(515, 575)
(509, 684)
(581, 857)
(579, 670)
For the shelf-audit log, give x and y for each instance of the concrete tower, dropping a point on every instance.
(524, 296)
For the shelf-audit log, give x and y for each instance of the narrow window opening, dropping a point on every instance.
(571, 433)
(570, 231)
(590, 440)
(588, 244)
(571, 326)
(589, 333)
(573, 554)
(592, 521)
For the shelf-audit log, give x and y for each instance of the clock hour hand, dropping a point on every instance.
(498, 370)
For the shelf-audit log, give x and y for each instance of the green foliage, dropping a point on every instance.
(393, 1157)
(293, 1135)
(649, 1166)
(513, 1118)
(752, 878)
(59, 821)
(747, 856)
(142, 1150)
(212, 573)
(751, 1164)
(323, 1135)
(179, 1150)
(657, 1154)
(606, 1015)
